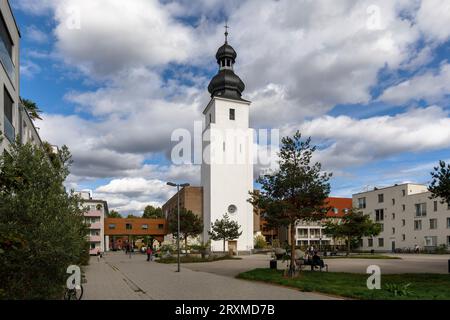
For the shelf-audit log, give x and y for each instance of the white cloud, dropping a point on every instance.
(29, 69)
(431, 86)
(432, 19)
(358, 141)
(34, 34)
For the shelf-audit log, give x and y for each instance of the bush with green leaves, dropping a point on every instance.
(42, 227)
(399, 290)
(260, 242)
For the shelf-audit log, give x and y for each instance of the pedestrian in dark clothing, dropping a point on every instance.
(149, 254)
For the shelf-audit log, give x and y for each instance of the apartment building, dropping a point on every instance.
(95, 218)
(14, 119)
(408, 217)
(310, 233)
(191, 198)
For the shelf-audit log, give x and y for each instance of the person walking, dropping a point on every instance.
(149, 254)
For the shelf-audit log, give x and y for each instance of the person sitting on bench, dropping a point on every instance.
(317, 261)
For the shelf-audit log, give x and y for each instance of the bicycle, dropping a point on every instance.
(74, 294)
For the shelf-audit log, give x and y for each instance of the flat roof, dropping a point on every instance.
(395, 185)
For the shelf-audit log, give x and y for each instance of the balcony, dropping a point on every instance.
(10, 131)
(96, 225)
(7, 62)
(95, 238)
(93, 213)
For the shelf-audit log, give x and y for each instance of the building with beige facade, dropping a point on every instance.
(408, 216)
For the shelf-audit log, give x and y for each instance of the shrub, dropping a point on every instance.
(260, 242)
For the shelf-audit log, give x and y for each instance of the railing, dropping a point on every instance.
(7, 62)
(10, 131)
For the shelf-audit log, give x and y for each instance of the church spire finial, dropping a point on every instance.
(226, 31)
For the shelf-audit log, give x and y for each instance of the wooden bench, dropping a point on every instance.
(300, 263)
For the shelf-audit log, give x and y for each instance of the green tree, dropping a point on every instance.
(132, 216)
(224, 229)
(113, 214)
(260, 242)
(440, 185)
(191, 225)
(32, 109)
(42, 227)
(296, 191)
(150, 212)
(353, 226)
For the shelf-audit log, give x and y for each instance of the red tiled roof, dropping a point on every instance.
(340, 204)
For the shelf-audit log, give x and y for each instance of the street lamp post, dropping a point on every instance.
(178, 214)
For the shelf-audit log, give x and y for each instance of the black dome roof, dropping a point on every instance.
(226, 84)
(226, 51)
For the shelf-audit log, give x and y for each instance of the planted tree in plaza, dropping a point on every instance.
(224, 229)
(296, 191)
(191, 225)
(32, 109)
(151, 212)
(352, 227)
(440, 183)
(42, 228)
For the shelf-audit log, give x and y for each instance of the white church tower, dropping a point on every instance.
(227, 166)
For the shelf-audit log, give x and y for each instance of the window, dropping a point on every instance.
(448, 206)
(381, 242)
(403, 192)
(381, 198)
(393, 216)
(421, 209)
(433, 223)
(210, 118)
(232, 114)
(92, 245)
(335, 210)
(448, 241)
(417, 224)
(145, 227)
(160, 226)
(379, 215)
(381, 227)
(393, 202)
(393, 230)
(361, 203)
(435, 206)
(370, 242)
(95, 232)
(403, 222)
(403, 207)
(8, 107)
(403, 237)
(430, 241)
(448, 223)
(112, 226)
(345, 211)
(6, 37)
(128, 226)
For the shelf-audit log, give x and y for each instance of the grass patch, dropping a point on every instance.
(422, 286)
(362, 256)
(194, 259)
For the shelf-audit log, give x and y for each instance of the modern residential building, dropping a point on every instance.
(95, 218)
(408, 217)
(309, 233)
(14, 119)
(9, 74)
(119, 231)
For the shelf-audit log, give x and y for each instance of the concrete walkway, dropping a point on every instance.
(409, 263)
(116, 276)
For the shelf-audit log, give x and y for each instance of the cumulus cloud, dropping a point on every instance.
(431, 86)
(357, 141)
(36, 35)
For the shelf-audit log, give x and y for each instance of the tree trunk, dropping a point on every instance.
(185, 243)
(292, 266)
(224, 245)
(348, 246)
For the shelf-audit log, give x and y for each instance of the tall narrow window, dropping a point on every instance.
(232, 114)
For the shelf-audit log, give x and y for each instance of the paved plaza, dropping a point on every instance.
(116, 276)
(409, 263)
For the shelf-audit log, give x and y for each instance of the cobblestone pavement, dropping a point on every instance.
(116, 276)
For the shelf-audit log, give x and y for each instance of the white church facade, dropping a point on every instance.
(227, 166)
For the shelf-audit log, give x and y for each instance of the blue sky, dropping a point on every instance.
(371, 87)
